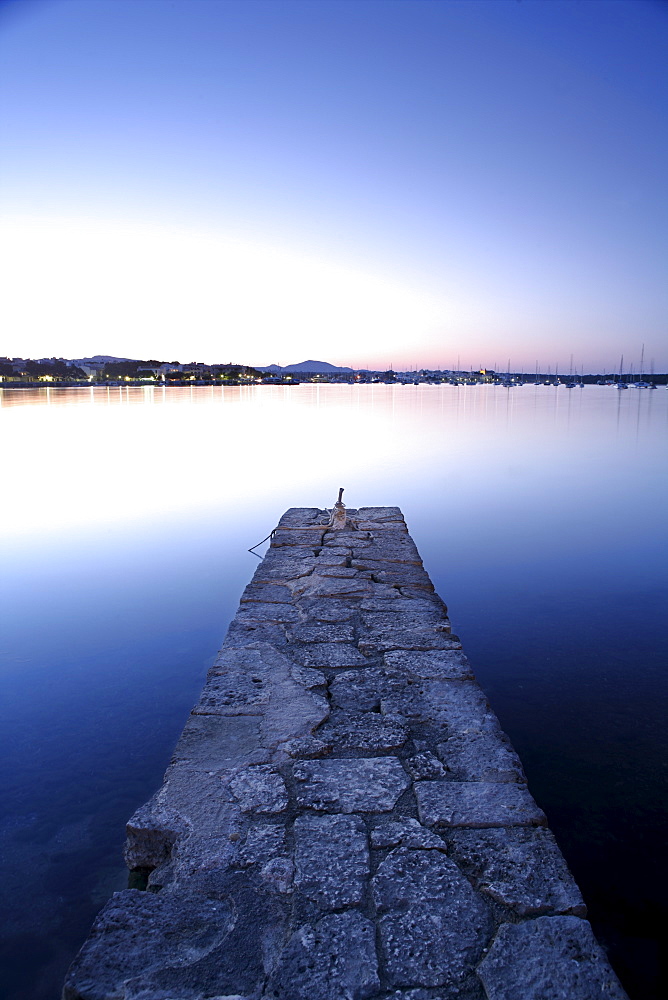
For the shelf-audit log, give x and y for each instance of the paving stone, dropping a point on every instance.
(234, 690)
(305, 537)
(476, 803)
(308, 677)
(139, 932)
(405, 832)
(376, 526)
(424, 605)
(481, 757)
(301, 517)
(345, 786)
(458, 705)
(424, 766)
(407, 638)
(307, 747)
(261, 614)
(339, 572)
(330, 655)
(546, 958)
(322, 632)
(240, 635)
(332, 960)
(374, 622)
(262, 844)
(394, 574)
(380, 602)
(278, 874)
(347, 537)
(260, 789)
(332, 859)
(386, 558)
(330, 553)
(276, 566)
(317, 585)
(327, 610)
(368, 732)
(212, 743)
(358, 690)
(439, 664)
(266, 593)
(378, 515)
(259, 680)
(521, 867)
(434, 926)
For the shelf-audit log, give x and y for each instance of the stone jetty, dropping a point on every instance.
(343, 818)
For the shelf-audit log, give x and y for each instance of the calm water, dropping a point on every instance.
(541, 517)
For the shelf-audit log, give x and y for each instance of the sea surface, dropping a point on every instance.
(541, 514)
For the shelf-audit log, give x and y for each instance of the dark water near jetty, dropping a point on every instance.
(540, 514)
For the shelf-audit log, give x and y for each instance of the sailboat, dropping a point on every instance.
(620, 384)
(641, 383)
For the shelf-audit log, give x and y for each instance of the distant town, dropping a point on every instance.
(105, 370)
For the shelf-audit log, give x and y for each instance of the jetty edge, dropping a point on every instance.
(343, 818)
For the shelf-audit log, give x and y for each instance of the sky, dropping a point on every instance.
(376, 183)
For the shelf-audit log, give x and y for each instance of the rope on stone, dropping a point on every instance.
(270, 535)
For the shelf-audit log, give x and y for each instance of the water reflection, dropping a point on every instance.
(127, 514)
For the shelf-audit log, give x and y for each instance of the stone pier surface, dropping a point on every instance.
(343, 818)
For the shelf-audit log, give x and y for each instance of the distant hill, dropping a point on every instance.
(100, 359)
(316, 367)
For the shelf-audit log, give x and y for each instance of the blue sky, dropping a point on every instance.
(366, 182)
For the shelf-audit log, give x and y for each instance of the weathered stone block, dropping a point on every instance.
(441, 664)
(358, 690)
(333, 959)
(390, 638)
(307, 676)
(405, 832)
(459, 705)
(266, 593)
(476, 803)
(277, 566)
(310, 538)
(368, 732)
(317, 585)
(256, 613)
(233, 692)
(393, 547)
(521, 867)
(212, 743)
(326, 610)
(545, 958)
(330, 655)
(332, 859)
(481, 757)
(424, 767)
(259, 789)
(346, 786)
(307, 747)
(239, 635)
(262, 845)
(322, 632)
(302, 517)
(379, 515)
(139, 933)
(434, 926)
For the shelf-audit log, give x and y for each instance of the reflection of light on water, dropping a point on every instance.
(83, 458)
